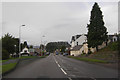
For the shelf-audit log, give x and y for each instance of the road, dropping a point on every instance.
(59, 66)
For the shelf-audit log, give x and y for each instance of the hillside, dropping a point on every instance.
(109, 53)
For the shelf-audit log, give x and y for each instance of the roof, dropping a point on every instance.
(76, 48)
(25, 49)
(76, 37)
(111, 36)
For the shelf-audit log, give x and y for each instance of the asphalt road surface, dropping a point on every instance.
(59, 66)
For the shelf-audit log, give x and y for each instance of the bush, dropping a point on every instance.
(89, 51)
(113, 46)
(5, 54)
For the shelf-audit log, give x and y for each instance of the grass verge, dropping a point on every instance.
(8, 67)
(23, 57)
(88, 59)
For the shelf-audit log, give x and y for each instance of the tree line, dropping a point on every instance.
(52, 46)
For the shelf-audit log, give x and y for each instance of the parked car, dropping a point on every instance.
(65, 54)
(57, 53)
(47, 53)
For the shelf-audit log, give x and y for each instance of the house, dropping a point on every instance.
(37, 51)
(79, 45)
(112, 38)
(32, 51)
(25, 52)
(78, 40)
(76, 51)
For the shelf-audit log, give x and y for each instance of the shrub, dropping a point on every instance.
(5, 54)
(113, 46)
(89, 51)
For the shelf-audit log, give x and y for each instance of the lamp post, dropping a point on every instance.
(20, 37)
(15, 51)
(15, 48)
(41, 44)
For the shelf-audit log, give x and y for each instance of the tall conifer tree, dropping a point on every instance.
(97, 32)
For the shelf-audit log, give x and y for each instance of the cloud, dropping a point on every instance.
(57, 21)
(110, 16)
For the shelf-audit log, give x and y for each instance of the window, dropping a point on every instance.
(25, 51)
(77, 43)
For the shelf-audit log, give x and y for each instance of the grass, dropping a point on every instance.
(4, 60)
(23, 57)
(8, 67)
(111, 47)
(0, 69)
(109, 53)
(42, 56)
(88, 59)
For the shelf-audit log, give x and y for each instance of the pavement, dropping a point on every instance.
(59, 66)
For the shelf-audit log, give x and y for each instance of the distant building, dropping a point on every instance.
(37, 51)
(25, 52)
(112, 38)
(31, 51)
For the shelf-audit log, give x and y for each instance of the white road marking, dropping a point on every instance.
(56, 62)
(58, 65)
(93, 78)
(63, 71)
(69, 78)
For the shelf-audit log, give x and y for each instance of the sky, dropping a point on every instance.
(57, 21)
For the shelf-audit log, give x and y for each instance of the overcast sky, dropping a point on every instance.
(58, 21)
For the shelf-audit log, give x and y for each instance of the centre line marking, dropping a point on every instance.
(93, 78)
(69, 78)
(58, 65)
(56, 62)
(63, 71)
(61, 68)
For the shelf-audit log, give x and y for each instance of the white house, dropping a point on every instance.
(24, 52)
(78, 45)
(76, 51)
(112, 38)
(78, 40)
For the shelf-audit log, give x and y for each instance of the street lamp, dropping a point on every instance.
(41, 44)
(20, 37)
(15, 48)
(15, 51)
